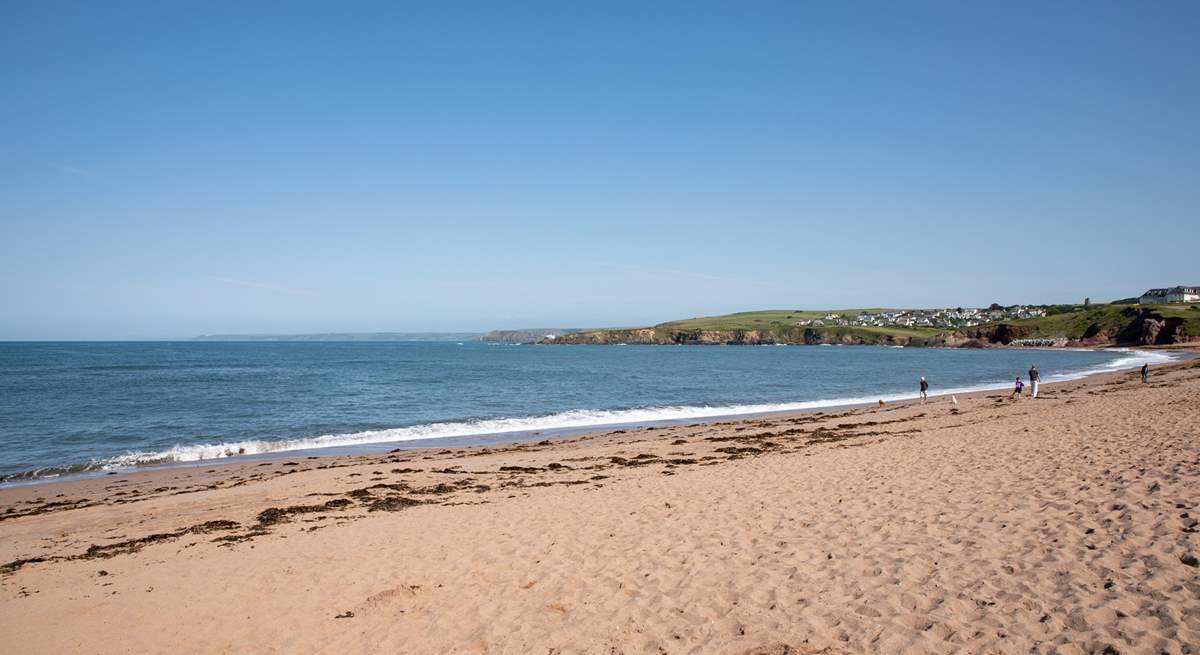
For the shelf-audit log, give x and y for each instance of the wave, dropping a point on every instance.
(572, 420)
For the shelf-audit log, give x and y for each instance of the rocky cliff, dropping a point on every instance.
(1132, 326)
(783, 335)
(1109, 326)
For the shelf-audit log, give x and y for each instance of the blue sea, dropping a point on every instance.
(72, 408)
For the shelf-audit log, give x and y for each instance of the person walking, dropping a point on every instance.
(1018, 387)
(1145, 373)
(1035, 379)
(924, 390)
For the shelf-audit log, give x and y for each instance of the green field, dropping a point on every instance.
(759, 320)
(1093, 324)
(1069, 321)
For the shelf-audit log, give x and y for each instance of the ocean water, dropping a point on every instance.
(68, 408)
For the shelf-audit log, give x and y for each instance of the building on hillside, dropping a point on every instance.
(1170, 295)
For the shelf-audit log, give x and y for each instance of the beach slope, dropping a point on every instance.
(1061, 525)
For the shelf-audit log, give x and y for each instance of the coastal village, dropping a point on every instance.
(959, 317)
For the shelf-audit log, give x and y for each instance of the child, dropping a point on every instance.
(1017, 389)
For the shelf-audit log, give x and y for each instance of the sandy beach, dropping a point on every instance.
(1064, 524)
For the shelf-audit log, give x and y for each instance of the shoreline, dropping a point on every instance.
(484, 439)
(565, 435)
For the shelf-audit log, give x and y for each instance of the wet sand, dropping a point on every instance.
(1064, 524)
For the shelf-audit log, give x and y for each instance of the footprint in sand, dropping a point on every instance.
(384, 599)
(785, 649)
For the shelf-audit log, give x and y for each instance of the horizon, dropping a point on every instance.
(240, 170)
(296, 336)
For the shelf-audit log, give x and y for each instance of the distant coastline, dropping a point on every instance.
(345, 336)
(1044, 326)
(520, 335)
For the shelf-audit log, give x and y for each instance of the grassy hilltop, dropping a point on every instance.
(759, 327)
(1063, 324)
(760, 319)
(784, 321)
(753, 320)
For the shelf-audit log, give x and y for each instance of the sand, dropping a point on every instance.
(1061, 525)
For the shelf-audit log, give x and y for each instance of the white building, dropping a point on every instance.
(1173, 294)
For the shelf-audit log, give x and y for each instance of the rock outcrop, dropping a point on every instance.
(1001, 333)
(1161, 331)
(1151, 329)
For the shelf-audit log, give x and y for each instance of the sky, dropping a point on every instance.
(176, 169)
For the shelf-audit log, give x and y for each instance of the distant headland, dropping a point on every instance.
(1120, 323)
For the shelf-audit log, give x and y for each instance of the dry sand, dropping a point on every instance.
(1061, 525)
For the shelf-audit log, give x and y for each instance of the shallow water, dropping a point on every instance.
(74, 407)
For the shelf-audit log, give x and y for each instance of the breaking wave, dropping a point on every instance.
(578, 420)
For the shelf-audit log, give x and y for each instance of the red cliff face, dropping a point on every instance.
(1162, 331)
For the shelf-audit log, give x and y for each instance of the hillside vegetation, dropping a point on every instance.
(1123, 324)
(774, 326)
(784, 322)
(1064, 325)
(756, 320)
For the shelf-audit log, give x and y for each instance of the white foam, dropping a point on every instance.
(573, 419)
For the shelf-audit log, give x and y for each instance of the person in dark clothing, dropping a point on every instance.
(1145, 372)
(924, 389)
(1035, 379)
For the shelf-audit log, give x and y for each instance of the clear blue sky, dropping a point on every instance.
(187, 169)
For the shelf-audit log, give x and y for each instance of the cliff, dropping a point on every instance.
(759, 337)
(1129, 325)
(1086, 326)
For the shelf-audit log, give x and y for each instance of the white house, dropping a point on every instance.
(1173, 294)
(1183, 294)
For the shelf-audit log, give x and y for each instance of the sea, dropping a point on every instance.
(89, 408)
